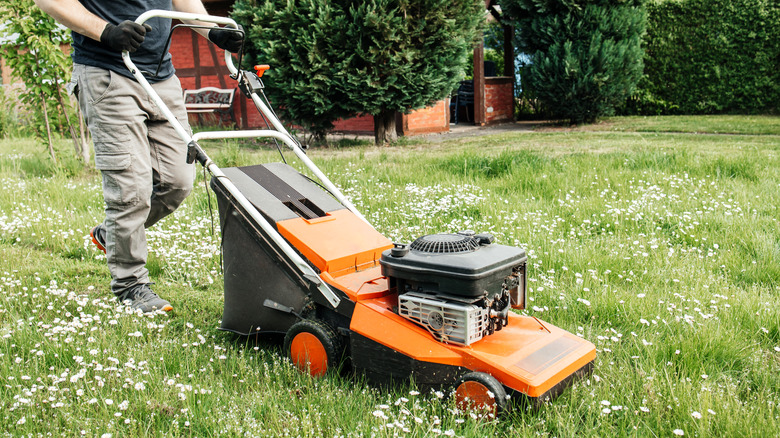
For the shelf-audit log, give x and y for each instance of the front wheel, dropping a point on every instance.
(481, 392)
(313, 346)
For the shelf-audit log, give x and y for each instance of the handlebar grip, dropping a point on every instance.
(186, 16)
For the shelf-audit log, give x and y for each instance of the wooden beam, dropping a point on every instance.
(197, 73)
(217, 62)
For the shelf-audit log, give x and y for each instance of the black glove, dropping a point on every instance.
(227, 39)
(128, 35)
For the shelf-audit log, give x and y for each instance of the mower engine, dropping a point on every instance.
(460, 287)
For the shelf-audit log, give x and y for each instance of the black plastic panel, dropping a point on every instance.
(383, 365)
(254, 272)
(280, 192)
(467, 274)
(272, 208)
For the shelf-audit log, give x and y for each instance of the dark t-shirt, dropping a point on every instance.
(90, 52)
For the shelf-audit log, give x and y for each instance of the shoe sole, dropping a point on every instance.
(95, 241)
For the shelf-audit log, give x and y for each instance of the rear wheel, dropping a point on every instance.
(480, 392)
(313, 346)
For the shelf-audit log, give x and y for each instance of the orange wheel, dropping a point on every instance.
(480, 392)
(313, 347)
(306, 351)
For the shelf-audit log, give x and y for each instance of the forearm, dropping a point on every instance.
(193, 7)
(74, 16)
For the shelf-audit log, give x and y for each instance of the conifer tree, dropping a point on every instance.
(332, 59)
(586, 55)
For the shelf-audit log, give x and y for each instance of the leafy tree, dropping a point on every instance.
(334, 59)
(586, 55)
(32, 49)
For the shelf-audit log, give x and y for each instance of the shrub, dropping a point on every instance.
(332, 59)
(9, 119)
(585, 55)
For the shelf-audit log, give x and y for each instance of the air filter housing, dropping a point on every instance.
(463, 264)
(450, 322)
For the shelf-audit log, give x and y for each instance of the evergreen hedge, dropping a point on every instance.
(334, 58)
(710, 56)
(586, 55)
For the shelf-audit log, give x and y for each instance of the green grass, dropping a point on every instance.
(748, 125)
(659, 245)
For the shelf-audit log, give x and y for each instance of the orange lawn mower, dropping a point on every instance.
(301, 260)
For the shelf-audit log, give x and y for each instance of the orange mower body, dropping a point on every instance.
(441, 319)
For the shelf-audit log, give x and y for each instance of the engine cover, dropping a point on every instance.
(463, 264)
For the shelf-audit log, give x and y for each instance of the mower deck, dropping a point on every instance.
(527, 355)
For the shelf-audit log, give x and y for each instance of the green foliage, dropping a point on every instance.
(32, 49)
(586, 55)
(333, 59)
(711, 56)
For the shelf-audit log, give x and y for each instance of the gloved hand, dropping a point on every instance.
(226, 39)
(128, 35)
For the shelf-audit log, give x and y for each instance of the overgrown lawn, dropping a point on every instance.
(660, 245)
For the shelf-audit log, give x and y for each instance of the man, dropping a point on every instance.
(140, 156)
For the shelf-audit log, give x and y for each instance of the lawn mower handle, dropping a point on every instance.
(267, 112)
(138, 75)
(182, 16)
(305, 269)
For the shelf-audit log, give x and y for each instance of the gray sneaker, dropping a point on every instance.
(141, 297)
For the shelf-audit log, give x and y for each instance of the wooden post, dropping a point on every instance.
(479, 84)
(509, 51)
(480, 117)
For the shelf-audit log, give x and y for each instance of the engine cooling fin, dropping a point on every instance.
(445, 244)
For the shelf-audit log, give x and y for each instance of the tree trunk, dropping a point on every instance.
(384, 127)
(48, 128)
(77, 144)
(83, 135)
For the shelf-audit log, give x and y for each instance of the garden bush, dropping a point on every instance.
(334, 59)
(710, 56)
(585, 55)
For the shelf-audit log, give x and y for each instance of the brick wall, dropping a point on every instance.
(433, 119)
(363, 124)
(499, 99)
(429, 120)
(5, 73)
(199, 63)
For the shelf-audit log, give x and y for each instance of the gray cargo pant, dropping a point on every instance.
(141, 158)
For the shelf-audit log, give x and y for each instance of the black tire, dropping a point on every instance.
(480, 392)
(314, 347)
